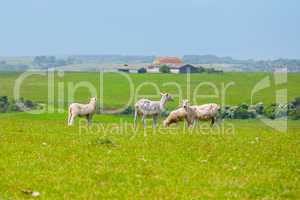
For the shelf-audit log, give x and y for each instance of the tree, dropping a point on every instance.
(164, 69)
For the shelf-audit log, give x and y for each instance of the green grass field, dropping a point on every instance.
(237, 159)
(116, 92)
(42, 153)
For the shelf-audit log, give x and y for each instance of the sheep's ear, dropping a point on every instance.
(161, 94)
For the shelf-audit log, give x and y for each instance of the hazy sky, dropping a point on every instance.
(238, 28)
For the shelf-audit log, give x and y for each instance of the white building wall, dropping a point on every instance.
(153, 70)
(174, 71)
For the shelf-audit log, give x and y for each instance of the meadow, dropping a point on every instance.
(114, 89)
(236, 159)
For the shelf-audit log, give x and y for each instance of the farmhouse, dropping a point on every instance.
(172, 62)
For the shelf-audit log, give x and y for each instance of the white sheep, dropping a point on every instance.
(82, 110)
(201, 112)
(175, 116)
(147, 107)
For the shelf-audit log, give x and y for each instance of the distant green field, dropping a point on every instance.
(40, 153)
(116, 90)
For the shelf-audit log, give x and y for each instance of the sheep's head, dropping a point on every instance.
(185, 103)
(166, 97)
(165, 123)
(93, 100)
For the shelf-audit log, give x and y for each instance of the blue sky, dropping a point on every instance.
(239, 28)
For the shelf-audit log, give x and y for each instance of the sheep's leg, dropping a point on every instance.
(193, 123)
(212, 122)
(69, 117)
(89, 119)
(72, 117)
(144, 121)
(187, 122)
(135, 117)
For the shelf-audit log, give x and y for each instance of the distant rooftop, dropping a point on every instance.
(167, 60)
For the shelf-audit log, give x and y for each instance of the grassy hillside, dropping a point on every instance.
(39, 152)
(116, 88)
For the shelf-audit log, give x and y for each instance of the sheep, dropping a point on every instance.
(201, 112)
(175, 116)
(147, 107)
(82, 110)
(178, 115)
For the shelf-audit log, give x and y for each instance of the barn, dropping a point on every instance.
(123, 70)
(189, 69)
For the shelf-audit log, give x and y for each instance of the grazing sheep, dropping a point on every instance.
(202, 113)
(147, 107)
(175, 116)
(82, 110)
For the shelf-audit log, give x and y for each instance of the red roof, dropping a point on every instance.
(168, 60)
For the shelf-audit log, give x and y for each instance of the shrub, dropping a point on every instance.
(242, 112)
(296, 101)
(259, 108)
(4, 104)
(226, 112)
(164, 69)
(19, 106)
(294, 109)
(295, 114)
(270, 111)
(127, 111)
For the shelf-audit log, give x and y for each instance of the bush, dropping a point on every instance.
(270, 111)
(294, 109)
(295, 114)
(127, 111)
(4, 104)
(20, 106)
(226, 112)
(164, 69)
(259, 108)
(242, 112)
(296, 102)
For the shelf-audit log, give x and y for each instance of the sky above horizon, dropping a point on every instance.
(259, 29)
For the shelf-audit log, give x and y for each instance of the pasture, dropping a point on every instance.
(41, 153)
(237, 159)
(239, 87)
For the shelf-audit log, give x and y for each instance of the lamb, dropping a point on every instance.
(82, 110)
(147, 107)
(175, 116)
(202, 113)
